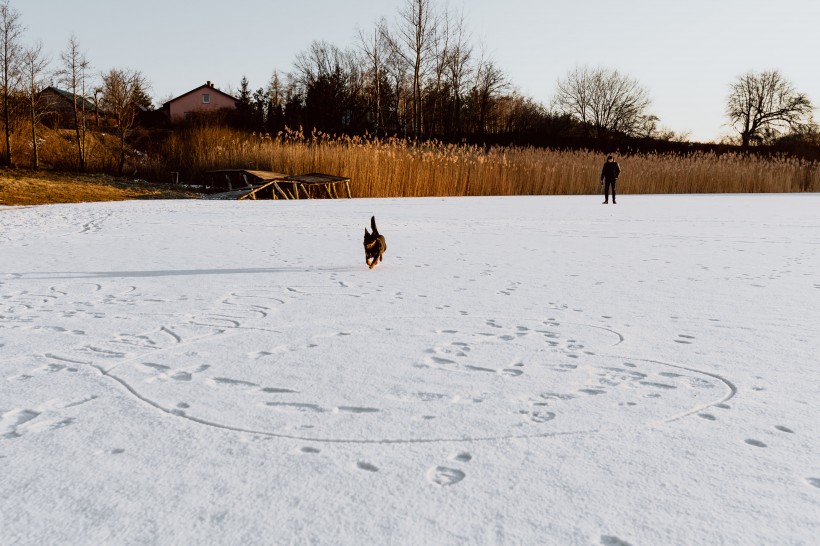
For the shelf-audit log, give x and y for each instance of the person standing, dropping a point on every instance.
(609, 175)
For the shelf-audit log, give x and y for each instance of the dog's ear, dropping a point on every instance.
(366, 234)
(373, 224)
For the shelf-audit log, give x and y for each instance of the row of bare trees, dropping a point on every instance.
(118, 93)
(420, 76)
(762, 107)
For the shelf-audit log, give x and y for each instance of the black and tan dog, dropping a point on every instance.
(374, 245)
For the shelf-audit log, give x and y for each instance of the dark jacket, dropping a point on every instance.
(610, 171)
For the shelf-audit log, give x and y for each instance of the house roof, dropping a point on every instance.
(208, 86)
(69, 96)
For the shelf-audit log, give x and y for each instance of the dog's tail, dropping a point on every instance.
(373, 225)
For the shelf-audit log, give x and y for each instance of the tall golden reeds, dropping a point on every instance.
(396, 168)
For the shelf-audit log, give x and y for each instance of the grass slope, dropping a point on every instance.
(27, 187)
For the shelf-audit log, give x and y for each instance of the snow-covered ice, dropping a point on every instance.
(520, 370)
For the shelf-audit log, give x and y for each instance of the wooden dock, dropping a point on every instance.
(242, 184)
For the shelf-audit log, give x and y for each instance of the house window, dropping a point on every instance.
(206, 98)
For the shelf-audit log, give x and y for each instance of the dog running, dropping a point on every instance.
(374, 245)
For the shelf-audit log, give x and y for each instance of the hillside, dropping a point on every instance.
(27, 187)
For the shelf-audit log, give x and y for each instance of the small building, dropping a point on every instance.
(57, 106)
(203, 99)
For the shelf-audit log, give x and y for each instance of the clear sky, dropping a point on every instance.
(686, 53)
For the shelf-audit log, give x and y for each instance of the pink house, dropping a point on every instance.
(205, 98)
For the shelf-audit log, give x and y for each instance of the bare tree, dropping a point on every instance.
(518, 113)
(331, 84)
(322, 59)
(276, 102)
(11, 30)
(459, 55)
(276, 90)
(73, 73)
(374, 48)
(34, 67)
(413, 41)
(605, 100)
(488, 83)
(762, 106)
(439, 50)
(398, 74)
(121, 94)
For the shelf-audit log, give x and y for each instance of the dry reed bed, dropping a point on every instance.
(395, 168)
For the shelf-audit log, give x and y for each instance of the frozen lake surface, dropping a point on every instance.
(518, 370)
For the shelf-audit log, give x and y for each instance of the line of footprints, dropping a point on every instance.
(441, 476)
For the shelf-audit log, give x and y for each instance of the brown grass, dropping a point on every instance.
(24, 187)
(395, 168)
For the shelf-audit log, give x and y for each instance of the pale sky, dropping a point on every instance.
(686, 53)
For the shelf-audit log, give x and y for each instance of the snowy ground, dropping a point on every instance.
(539, 370)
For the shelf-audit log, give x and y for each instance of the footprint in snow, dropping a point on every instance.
(231, 382)
(356, 409)
(444, 476)
(541, 416)
(592, 392)
(608, 540)
(366, 466)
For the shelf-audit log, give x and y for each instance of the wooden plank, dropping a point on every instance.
(252, 193)
(266, 175)
(280, 191)
(347, 188)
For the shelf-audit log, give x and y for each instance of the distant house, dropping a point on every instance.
(205, 98)
(57, 106)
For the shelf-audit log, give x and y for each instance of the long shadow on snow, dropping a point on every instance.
(180, 272)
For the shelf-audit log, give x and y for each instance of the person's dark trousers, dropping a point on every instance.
(609, 184)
